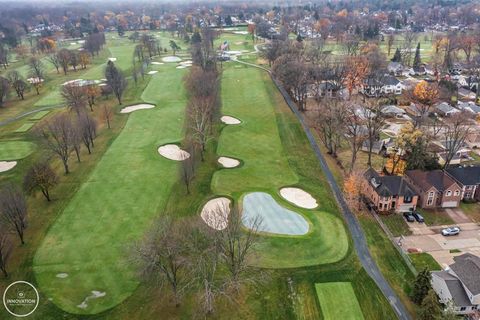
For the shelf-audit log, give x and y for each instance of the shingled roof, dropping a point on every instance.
(468, 176)
(467, 269)
(387, 186)
(426, 179)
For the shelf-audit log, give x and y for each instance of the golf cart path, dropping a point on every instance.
(356, 231)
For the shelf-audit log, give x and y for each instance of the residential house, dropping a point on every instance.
(466, 94)
(384, 85)
(473, 139)
(459, 284)
(392, 111)
(462, 154)
(418, 71)
(469, 180)
(469, 106)
(435, 188)
(378, 146)
(445, 109)
(395, 68)
(388, 193)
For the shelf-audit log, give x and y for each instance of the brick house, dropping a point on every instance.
(435, 188)
(469, 180)
(388, 192)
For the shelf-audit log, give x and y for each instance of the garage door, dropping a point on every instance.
(450, 204)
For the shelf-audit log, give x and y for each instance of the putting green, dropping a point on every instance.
(129, 186)
(15, 150)
(24, 127)
(249, 95)
(338, 301)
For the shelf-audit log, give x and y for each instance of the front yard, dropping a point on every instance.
(436, 217)
(471, 210)
(396, 224)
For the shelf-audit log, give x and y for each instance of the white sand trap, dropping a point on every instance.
(173, 152)
(228, 162)
(7, 165)
(137, 107)
(240, 32)
(62, 275)
(230, 120)
(171, 59)
(94, 295)
(233, 52)
(215, 213)
(182, 67)
(299, 198)
(112, 59)
(157, 63)
(152, 72)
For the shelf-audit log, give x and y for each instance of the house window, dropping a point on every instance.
(429, 202)
(407, 199)
(449, 193)
(430, 194)
(381, 206)
(463, 308)
(457, 193)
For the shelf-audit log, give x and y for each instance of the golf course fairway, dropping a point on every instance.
(90, 240)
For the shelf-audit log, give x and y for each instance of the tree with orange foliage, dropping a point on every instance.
(357, 69)
(84, 59)
(424, 96)
(251, 29)
(466, 44)
(352, 187)
(93, 92)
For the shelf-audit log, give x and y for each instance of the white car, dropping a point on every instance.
(452, 231)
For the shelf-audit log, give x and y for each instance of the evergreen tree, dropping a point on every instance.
(430, 308)
(196, 38)
(421, 286)
(299, 38)
(397, 57)
(417, 61)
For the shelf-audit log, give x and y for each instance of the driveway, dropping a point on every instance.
(457, 215)
(440, 247)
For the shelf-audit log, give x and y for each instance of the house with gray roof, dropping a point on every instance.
(459, 284)
(445, 109)
(469, 179)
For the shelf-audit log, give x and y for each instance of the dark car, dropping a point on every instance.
(409, 216)
(418, 217)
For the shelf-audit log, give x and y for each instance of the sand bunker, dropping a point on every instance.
(230, 120)
(62, 275)
(112, 59)
(274, 218)
(233, 52)
(228, 162)
(241, 32)
(171, 59)
(157, 63)
(182, 67)
(7, 165)
(299, 198)
(94, 295)
(215, 213)
(152, 72)
(137, 107)
(173, 152)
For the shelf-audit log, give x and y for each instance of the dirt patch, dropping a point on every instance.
(215, 213)
(173, 152)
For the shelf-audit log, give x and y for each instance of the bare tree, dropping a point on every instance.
(116, 80)
(374, 121)
(329, 124)
(41, 177)
(63, 57)
(58, 136)
(354, 131)
(88, 130)
(293, 73)
(75, 98)
(55, 61)
(457, 128)
(187, 169)
(200, 110)
(4, 89)
(6, 249)
(236, 244)
(13, 210)
(163, 255)
(107, 114)
(17, 83)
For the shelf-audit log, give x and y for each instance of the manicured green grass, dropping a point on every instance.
(15, 149)
(260, 142)
(338, 301)
(396, 224)
(25, 127)
(236, 41)
(424, 260)
(114, 207)
(39, 115)
(436, 217)
(472, 210)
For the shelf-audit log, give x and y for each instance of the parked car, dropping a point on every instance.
(418, 217)
(409, 216)
(451, 231)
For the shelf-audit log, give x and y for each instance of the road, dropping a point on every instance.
(356, 231)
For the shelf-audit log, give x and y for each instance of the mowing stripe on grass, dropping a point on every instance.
(338, 301)
(25, 127)
(114, 207)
